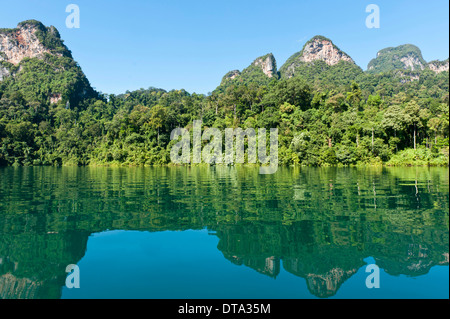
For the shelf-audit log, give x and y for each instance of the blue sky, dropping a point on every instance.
(175, 44)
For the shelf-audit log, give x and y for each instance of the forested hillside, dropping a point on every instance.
(328, 110)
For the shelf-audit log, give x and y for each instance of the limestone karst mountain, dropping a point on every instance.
(44, 93)
(439, 66)
(319, 48)
(262, 71)
(36, 63)
(404, 57)
(34, 53)
(320, 57)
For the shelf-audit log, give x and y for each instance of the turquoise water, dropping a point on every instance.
(188, 233)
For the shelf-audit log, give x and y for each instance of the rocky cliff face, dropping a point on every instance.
(439, 66)
(231, 76)
(412, 62)
(261, 71)
(406, 76)
(406, 57)
(22, 42)
(320, 48)
(33, 50)
(268, 65)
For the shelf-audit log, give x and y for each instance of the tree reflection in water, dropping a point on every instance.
(317, 224)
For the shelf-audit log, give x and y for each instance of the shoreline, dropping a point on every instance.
(123, 165)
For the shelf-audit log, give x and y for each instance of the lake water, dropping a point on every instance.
(188, 233)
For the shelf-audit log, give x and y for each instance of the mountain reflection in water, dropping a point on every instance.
(317, 224)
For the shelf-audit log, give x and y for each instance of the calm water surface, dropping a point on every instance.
(224, 232)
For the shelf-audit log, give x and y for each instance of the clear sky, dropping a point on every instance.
(175, 44)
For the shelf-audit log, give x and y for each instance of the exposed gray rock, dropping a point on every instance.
(439, 66)
(232, 75)
(412, 62)
(320, 48)
(268, 64)
(20, 43)
(3, 72)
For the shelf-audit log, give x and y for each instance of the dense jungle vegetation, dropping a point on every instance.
(326, 115)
